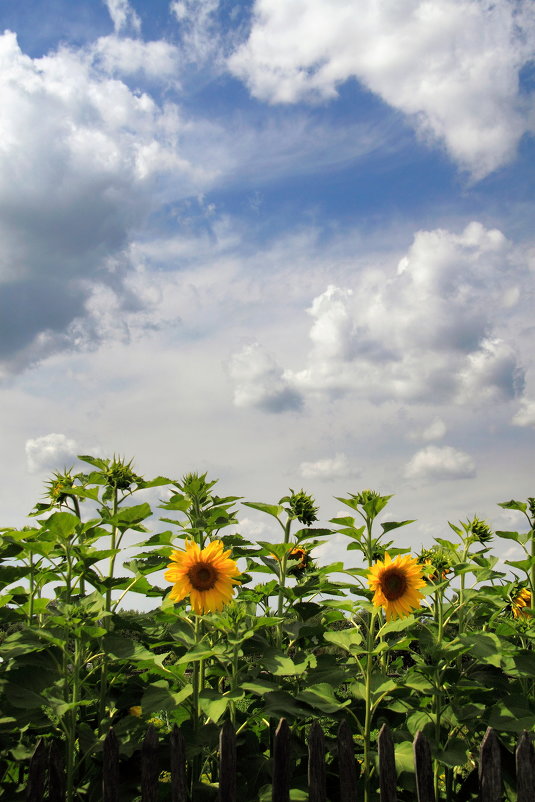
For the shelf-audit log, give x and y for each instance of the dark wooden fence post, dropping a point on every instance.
(387, 766)
(227, 763)
(149, 766)
(316, 765)
(56, 774)
(423, 767)
(178, 766)
(347, 765)
(281, 763)
(490, 771)
(110, 768)
(525, 769)
(35, 788)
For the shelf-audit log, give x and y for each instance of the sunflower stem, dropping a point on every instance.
(368, 709)
(282, 580)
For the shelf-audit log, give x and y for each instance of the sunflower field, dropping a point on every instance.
(440, 642)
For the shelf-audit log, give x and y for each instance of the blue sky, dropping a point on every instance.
(287, 243)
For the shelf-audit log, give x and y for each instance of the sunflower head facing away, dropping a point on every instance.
(396, 585)
(520, 602)
(206, 576)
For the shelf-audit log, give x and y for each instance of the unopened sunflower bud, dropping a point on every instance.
(481, 531)
(302, 507)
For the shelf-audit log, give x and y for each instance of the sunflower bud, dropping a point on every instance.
(120, 475)
(58, 487)
(481, 531)
(531, 505)
(302, 507)
(438, 561)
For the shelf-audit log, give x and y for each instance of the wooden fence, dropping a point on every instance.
(46, 780)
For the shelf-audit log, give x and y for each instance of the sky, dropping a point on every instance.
(289, 244)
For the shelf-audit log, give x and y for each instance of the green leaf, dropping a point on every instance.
(322, 697)
(213, 704)
(513, 505)
(271, 509)
(389, 525)
(348, 639)
(259, 686)
(158, 696)
(280, 664)
(62, 524)
(404, 757)
(396, 626)
(519, 537)
(131, 516)
(485, 646)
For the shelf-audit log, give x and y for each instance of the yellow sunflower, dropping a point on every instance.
(396, 584)
(205, 576)
(520, 602)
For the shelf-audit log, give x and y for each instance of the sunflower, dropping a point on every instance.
(205, 576)
(396, 583)
(520, 602)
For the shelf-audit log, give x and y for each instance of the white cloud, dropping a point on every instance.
(260, 382)
(123, 55)
(435, 431)
(451, 65)
(427, 332)
(526, 414)
(440, 462)
(123, 15)
(81, 165)
(50, 452)
(328, 469)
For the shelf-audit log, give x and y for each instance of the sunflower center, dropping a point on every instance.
(393, 583)
(202, 576)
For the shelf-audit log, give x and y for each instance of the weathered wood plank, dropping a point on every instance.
(110, 768)
(56, 774)
(149, 766)
(316, 765)
(227, 763)
(281, 763)
(347, 765)
(35, 788)
(490, 773)
(178, 766)
(387, 766)
(423, 767)
(525, 769)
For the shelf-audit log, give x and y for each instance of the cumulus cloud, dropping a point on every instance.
(440, 462)
(330, 468)
(452, 66)
(260, 382)
(526, 414)
(50, 452)
(81, 155)
(123, 15)
(424, 333)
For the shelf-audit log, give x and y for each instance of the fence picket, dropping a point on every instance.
(149, 766)
(347, 765)
(525, 769)
(387, 766)
(316, 765)
(178, 766)
(423, 767)
(110, 768)
(281, 763)
(227, 763)
(490, 773)
(49, 761)
(56, 774)
(37, 773)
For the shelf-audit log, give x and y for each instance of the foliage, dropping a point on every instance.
(299, 640)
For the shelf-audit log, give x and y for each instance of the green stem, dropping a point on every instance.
(368, 710)
(72, 722)
(107, 622)
(437, 702)
(282, 580)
